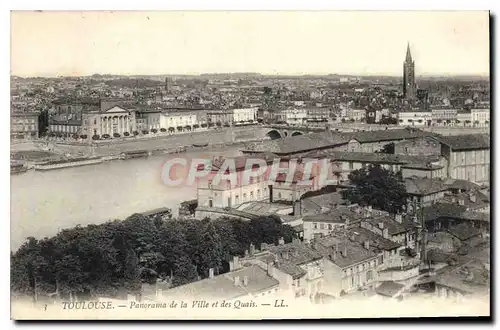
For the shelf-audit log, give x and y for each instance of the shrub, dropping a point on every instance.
(116, 135)
(75, 136)
(163, 130)
(96, 137)
(106, 136)
(154, 130)
(195, 126)
(135, 133)
(126, 134)
(83, 136)
(204, 125)
(171, 129)
(145, 131)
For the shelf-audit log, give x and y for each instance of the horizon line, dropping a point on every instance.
(425, 75)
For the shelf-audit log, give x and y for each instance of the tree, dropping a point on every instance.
(171, 129)
(154, 130)
(378, 187)
(388, 148)
(211, 247)
(163, 130)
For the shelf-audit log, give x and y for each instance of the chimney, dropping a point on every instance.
(367, 245)
(281, 241)
(252, 249)
(385, 233)
(461, 201)
(211, 273)
(381, 225)
(453, 199)
(245, 280)
(399, 217)
(236, 280)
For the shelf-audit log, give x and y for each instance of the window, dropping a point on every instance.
(250, 180)
(251, 195)
(329, 226)
(210, 184)
(258, 193)
(315, 225)
(321, 226)
(351, 165)
(369, 275)
(244, 197)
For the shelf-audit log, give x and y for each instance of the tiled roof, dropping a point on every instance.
(389, 288)
(380, 157)
(389, 135)
(224, 287)
(338, 215)
(470, 278)
(297, 252)
(466, 142)
(481, 200)
(393, 227)
(463, 231)
(439, 210)
(423, 186)
(460, 184)
(355, 253)
(299, 143)
(376, 242)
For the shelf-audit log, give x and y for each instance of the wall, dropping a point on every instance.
(418, 147)
(471, 165)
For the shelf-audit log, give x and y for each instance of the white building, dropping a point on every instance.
(173, 120)
(230, 194)
(415, 118)
(480, 117)
(295, 117)
(244, 115)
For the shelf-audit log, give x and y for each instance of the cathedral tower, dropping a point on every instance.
(409, 87)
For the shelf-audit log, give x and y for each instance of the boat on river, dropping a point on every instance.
(58, 164)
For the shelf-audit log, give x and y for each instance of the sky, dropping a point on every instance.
(280, 42)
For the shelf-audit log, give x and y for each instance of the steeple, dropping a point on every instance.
(408, 54)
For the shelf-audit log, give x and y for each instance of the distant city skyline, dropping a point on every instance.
(51, 44)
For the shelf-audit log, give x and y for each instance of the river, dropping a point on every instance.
(44, 202)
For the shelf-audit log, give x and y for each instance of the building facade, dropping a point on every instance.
(24, 125)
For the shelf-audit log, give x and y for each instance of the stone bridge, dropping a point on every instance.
(281, 131)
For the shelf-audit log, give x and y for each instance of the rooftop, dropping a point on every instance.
(337, 215)
(470, 278)
(224, 286)
(389, 135)
(466, 142)
(423, 186)
(348, 253)
(299, 143)
(381, 158)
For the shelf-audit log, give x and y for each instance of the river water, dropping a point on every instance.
(44, 202)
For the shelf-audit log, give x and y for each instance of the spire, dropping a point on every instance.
(408, 53)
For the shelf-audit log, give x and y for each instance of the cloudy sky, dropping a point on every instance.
(314, 42)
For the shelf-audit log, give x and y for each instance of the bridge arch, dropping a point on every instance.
(274, 134)
(297, 133)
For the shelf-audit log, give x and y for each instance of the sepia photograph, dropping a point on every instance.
(249, 165)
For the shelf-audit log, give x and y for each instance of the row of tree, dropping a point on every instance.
(119, 256)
